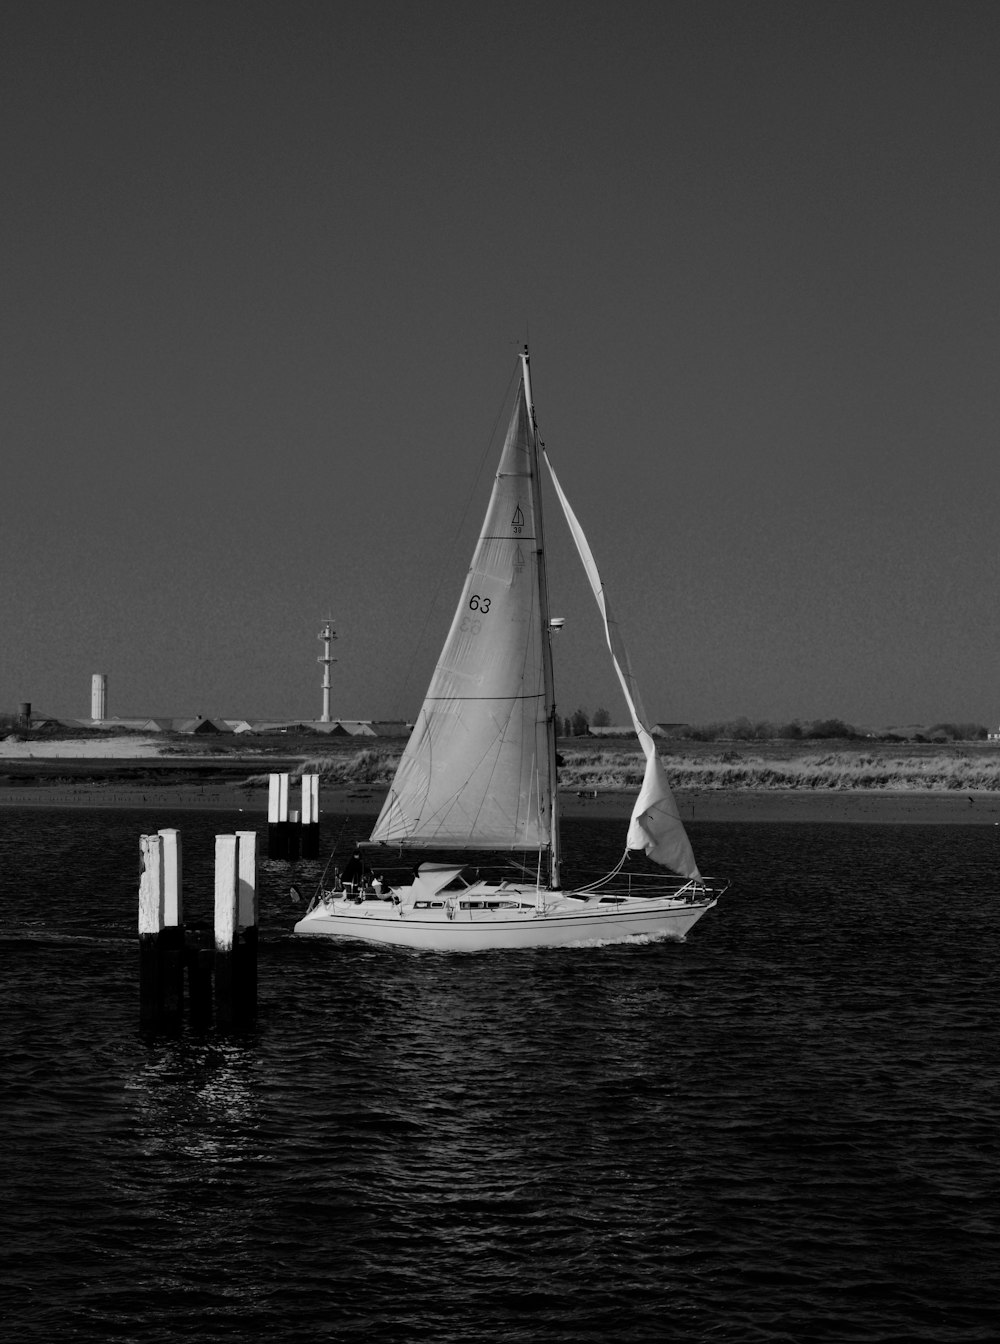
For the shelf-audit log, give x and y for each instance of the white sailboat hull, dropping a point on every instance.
(475, 931)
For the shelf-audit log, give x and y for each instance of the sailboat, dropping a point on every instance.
(479, 772)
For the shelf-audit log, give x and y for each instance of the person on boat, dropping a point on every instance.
(354, 871)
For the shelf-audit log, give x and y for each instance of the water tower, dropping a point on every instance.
(327, 635)
(99, 696)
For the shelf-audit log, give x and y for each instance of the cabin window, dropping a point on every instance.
(613, 900)
(470, 905)
(428, 905)
(501, 905)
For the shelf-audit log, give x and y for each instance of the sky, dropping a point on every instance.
(267, 269)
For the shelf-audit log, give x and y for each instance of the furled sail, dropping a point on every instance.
(656, 826)
(474, 773)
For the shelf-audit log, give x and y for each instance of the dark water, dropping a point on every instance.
(786, 1129)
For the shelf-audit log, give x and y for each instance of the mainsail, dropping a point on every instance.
(656, 826)
(474, 774)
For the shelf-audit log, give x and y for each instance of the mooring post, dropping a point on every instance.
(305, 817)
(246, 925)
(273, 802)
(172, 933)
(294, 838)
(226, 913)
(310, 816)
(277, 817)
(150, 929)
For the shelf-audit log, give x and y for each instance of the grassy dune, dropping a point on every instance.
(760, 770)
(763, 767)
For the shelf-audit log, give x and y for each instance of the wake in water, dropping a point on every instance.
(640, 939)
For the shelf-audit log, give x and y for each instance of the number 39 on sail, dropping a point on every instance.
(478, 776)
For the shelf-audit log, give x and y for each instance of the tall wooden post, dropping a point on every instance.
(246, 925)
(226, 914)
(150, 929)
(172, 933)
(277, 817)
(310, 816)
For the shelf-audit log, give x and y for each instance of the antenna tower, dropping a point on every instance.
(327, 635)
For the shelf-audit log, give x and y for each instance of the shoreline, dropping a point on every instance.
(876, 806)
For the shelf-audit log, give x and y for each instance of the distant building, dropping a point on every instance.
(201, 726)
(198, 725)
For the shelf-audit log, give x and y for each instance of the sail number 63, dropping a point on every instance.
(471, 625)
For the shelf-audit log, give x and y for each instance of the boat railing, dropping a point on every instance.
(648, 886)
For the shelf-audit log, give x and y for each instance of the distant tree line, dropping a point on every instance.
(953, 732)
(579, 723)
(745, 730)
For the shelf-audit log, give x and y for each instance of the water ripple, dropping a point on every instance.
(783, 1129)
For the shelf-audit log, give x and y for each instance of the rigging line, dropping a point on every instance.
(333, 851)
(608, 877)
(446, 567)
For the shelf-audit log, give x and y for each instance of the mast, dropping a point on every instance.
(543, 605)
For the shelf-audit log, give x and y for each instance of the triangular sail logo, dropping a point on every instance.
(517, 522)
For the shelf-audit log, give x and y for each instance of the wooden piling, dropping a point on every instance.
(173, 903)
(228, 953)
(277, 817)
(172, 934)
(150, 928)
(246, 926)
(310, 817)
(226, 915)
